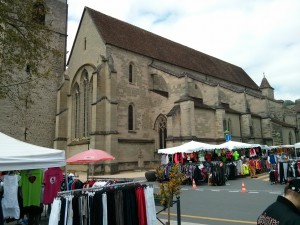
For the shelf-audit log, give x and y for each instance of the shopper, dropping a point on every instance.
(286, 209)
(252, 167)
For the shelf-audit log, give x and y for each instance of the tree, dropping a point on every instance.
(171, 188)
(26, 43)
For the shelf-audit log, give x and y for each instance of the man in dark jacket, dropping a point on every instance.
(286, 209)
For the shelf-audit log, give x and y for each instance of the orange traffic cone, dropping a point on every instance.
(194, 184)
(243, 187)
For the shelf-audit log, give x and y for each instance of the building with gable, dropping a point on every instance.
(131, 92)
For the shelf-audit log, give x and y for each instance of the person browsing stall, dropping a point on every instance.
(286, 209)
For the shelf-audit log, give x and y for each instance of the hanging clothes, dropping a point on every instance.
(31, 183)
(10, 204)
(140, 197)
(150, 206)
(55, 212)
(111, 205)
(52, 182)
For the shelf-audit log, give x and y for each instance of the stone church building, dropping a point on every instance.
(130, 92)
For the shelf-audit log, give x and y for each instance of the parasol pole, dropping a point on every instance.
(66, 177)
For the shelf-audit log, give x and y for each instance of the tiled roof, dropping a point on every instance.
(132, 38)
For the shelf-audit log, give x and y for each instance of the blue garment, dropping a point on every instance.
(272, 159)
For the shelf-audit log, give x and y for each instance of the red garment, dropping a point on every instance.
(141, 205)
(52, 181)
(208, 157)
(176, 157)
(258, 164)
(251, 163)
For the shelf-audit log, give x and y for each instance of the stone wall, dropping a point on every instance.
(36, 122)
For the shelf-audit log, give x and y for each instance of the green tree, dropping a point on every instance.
(171, 188)
(26, 43)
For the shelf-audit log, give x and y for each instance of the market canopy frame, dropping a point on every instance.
(19, 155)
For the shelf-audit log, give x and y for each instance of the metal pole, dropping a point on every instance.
(178, 211)
(66, 177)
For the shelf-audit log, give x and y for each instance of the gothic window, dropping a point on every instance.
(85, 103)
(39, 12)
(76, 110)
(161, 127)
(229, 127)
(131, 117)
(224, 125)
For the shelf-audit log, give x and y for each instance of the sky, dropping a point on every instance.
(260, 36)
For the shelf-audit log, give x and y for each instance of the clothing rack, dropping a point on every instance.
(99, 188)
(110, 179)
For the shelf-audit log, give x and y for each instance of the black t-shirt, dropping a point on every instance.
(281, 212)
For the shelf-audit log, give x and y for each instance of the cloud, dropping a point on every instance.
(258, 36)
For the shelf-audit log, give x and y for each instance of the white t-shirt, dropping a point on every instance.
(10, 205)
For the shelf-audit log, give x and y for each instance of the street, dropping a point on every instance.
(216, 205)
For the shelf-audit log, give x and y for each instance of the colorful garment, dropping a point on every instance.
(31, 183)
(52, 181)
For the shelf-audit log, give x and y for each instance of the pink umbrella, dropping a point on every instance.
(90, 156)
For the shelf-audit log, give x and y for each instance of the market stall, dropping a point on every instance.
(23, 167)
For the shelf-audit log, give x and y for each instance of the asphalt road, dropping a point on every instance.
(216, 205)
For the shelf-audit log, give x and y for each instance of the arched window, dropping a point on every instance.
(85, 103)
(229, 127)
(161, 127)
(224, 125)
(131, 117)
(130, 73)
(76, 110)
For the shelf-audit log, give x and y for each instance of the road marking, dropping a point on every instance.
(215, 190)
(234, 191)
(211, 218)
(175, 222)
(263, 176)
(253, 192)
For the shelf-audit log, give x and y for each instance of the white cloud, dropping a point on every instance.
(258, 36)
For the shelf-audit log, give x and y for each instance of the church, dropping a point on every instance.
(131, 92)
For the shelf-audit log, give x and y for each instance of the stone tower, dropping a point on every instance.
(35, 123)
(266, 88)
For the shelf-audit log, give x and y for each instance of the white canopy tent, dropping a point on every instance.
(230, 145)
(19, 155)
(189, 147)
(297, 145)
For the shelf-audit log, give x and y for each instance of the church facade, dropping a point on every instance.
(130, 92)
